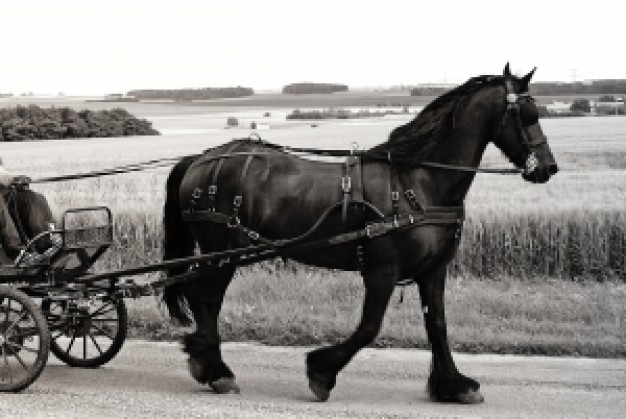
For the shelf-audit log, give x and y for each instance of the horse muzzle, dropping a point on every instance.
(537, 172)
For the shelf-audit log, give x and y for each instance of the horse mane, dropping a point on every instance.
(413, 141)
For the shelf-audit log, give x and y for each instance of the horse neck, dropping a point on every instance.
(464, 147)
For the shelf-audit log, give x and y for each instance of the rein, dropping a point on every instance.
(136, 167)
(165, 162)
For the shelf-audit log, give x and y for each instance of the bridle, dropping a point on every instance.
(531, 136)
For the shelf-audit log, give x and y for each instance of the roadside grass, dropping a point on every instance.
(300, 306)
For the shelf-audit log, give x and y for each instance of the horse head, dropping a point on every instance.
(520, 136)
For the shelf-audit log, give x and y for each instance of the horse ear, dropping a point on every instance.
(507, 70)
(525, 81)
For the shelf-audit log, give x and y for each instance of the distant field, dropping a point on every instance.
(519, 239)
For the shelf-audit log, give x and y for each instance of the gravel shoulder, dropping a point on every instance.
(150, 379)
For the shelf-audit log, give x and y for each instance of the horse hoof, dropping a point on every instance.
(471, 397)
(320, 391)
(197, 370)
(225, 385)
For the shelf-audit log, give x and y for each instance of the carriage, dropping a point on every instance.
(393, 213)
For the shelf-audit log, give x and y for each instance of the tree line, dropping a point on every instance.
(24, 123)
(205, 93)
(309, 88)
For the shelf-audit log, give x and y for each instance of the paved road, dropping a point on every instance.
(150, 380)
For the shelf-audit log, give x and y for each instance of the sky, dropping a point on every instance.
(95, 47)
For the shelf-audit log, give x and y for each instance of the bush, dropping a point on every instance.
(606, 98)
(581, 105)
(35, 123)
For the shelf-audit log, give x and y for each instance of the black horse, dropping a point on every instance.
(224, 198)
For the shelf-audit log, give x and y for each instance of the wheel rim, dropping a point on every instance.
(21, 344)
(87, 333)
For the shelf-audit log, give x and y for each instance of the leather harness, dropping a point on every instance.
(352, 197)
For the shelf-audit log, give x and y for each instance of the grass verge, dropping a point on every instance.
(302, 306)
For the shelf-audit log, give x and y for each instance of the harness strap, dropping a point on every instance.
(212, 190)
(238, 200)
(351, 185)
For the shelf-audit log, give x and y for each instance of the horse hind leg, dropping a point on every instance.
(205, 297)
(445, 383)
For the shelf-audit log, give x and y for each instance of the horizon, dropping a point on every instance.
(278, 90)
(85, 49)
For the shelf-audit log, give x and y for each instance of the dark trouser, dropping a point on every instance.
(11, 241)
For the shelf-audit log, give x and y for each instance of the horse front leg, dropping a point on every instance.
(446, 383)
(324, 364)
(205, 297)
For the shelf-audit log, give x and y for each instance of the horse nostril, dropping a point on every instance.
(553, 169)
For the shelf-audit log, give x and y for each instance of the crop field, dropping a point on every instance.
(541, 268)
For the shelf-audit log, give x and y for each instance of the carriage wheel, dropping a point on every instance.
(88, 337)
(24, 340)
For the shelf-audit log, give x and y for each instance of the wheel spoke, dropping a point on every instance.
(26, 333)
(99, 311)
(19, 358)
(69, 348)
(8, 329)
(104, 332)
(95, 343)
(84, 346)
(22, 347)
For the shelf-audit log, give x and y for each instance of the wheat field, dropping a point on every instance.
(552, 244)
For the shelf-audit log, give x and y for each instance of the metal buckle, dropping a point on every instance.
(376, 229)
(237, 201)
(212, 189)
(346, 184)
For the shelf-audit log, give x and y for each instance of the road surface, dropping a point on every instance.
(150, 380)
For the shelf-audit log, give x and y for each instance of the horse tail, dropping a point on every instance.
(178, 242)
